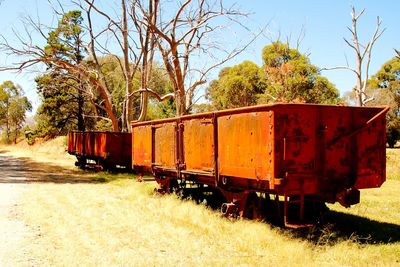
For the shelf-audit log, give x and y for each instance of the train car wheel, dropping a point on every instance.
(252, 208)
(81, 162)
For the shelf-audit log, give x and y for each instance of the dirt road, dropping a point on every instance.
(17, 177)
(13, 231)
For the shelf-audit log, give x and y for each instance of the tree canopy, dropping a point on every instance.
(61, 91)
(286, 76)
(13, 106)
(236, 86)
(291, 77)
(384, 87)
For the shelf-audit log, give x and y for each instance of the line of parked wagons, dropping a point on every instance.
(282, 160)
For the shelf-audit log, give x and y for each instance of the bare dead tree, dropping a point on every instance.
(397, 53)
(118, 29)
(136, 43)
(141, 31)
(139, 12)
(363, 56)
(183, 34)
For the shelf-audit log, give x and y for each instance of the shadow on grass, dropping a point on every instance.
(339, 226)
(336, 227)
(24, 170)
(370, 231)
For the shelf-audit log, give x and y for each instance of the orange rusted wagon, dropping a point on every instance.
(102, 150)
(288, 158)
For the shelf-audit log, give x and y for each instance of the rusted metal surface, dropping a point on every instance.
(75, 141)
(198, 144)
(299, 152)
(105, 148)
(165, 145)
(142, 146)
(245, 149)
(325, 150)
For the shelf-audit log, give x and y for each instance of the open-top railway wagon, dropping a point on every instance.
(298, 156)
(100, 150)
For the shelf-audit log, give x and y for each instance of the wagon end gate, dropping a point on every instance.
(370, 151)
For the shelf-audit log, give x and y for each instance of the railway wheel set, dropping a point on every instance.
(283, 161)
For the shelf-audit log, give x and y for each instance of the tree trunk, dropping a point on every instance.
(81, 101)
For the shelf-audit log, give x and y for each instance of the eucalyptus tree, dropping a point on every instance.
(384, 87)
(236, 86)
(291, 77)
(13, 107)
(285, 76)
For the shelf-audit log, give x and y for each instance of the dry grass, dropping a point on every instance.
(393, 163)
(121, 223)
(128, 226)
(52, 151)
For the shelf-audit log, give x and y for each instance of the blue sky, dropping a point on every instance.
(325, 24)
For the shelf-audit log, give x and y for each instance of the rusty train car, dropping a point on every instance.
(285, 160)
(288, 158)
(100, 150)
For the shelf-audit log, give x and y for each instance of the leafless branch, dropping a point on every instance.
(363, 56)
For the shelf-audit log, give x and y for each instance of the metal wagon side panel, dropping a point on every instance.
(296, 148)
(164, 145)
(355, 141)
(371, 152)
(245, 145)
(142, 146)
(198, 144)
(116, 147)
(71, 142)
(79, 143)
(100, 143)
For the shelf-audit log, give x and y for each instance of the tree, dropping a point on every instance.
(135, 42)
(363, 56)
(62, 108)
(66, 42)
(137, 47)
(181, 38)
(286, 76)
(31, 54)
(236, 86)
(384, 86)
(139, 31)
(290, 77)
(13, 106)
(62, 92)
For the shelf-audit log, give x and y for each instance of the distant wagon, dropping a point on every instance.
(288, 159)
(101, 150)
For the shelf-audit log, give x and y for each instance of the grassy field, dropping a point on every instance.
(393, 163)
(121, 223)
